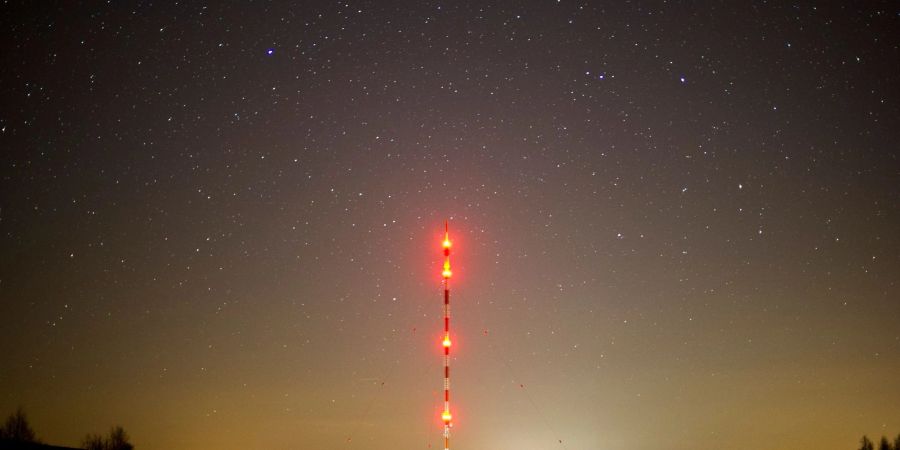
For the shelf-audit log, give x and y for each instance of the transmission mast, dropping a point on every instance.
(446, 274)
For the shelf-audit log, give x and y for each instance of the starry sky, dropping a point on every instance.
(675, 224)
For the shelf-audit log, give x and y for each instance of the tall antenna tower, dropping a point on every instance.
(445, 415)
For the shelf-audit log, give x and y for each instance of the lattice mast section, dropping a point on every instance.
(446, 417)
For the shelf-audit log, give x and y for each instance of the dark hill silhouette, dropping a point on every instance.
(19, 445)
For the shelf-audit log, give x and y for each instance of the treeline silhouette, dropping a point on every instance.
(16, 428)
(16, 433)
(117, 440)
(866, 444)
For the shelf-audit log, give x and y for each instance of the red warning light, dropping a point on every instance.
(446, 417)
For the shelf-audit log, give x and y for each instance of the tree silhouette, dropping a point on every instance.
(866, 444)
(117, 440)
(93, 442)
(884, 444)
(17, 428)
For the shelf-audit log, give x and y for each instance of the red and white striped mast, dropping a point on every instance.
(446, 274)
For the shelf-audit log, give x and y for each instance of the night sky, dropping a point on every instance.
(675, 225)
